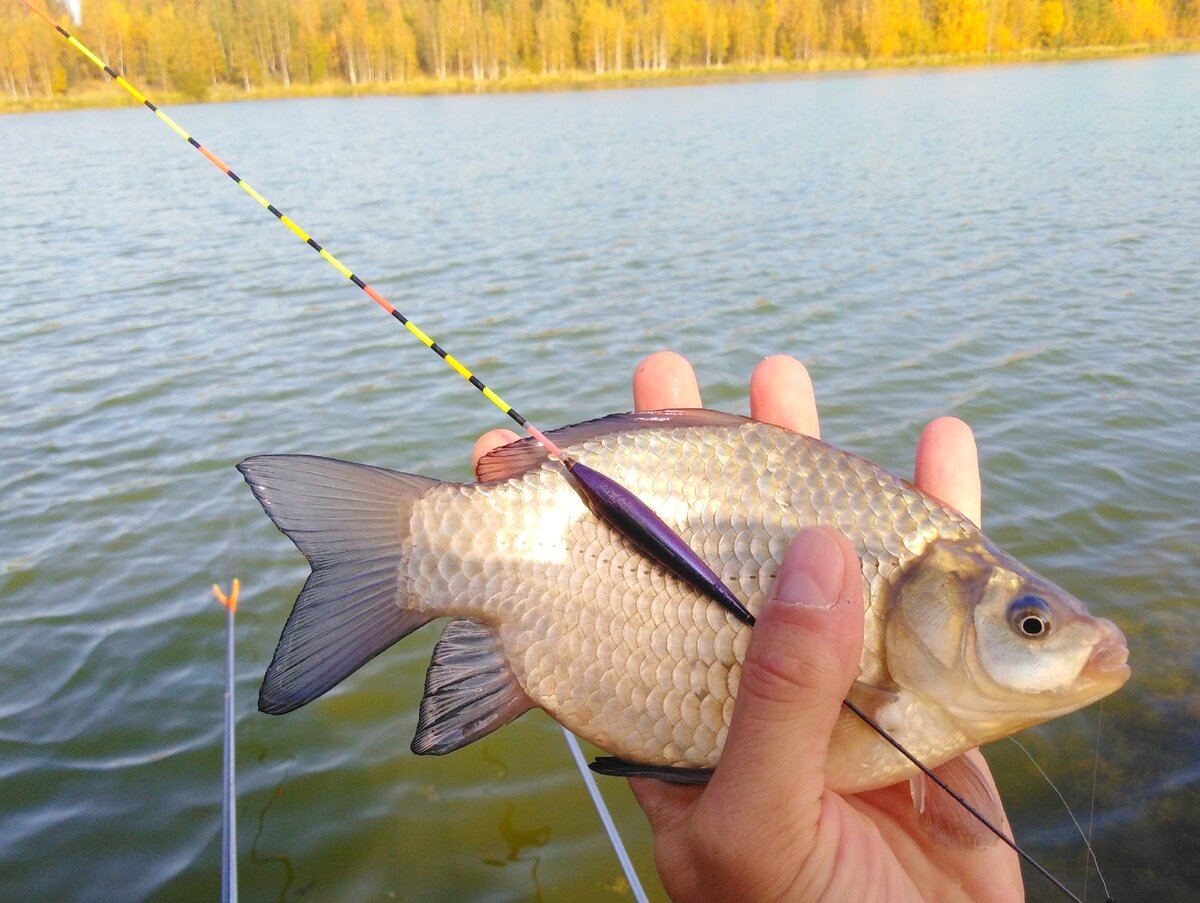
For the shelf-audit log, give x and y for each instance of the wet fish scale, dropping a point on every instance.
(573, 607)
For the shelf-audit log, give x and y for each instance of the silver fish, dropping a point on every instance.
(552, 608)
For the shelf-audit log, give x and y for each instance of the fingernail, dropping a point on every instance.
(812, 571)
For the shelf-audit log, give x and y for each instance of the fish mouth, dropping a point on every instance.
(1108, 663)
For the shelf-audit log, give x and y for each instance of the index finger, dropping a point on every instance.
(489, 442)
(781, 392)
(665, 380)
(947, 466)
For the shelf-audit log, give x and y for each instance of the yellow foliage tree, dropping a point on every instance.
(962, 26)
(892, 28)
(188, 45)
(1051, 19)
(743, 38)
(553, 27)
(593, 50)
(1142, 20)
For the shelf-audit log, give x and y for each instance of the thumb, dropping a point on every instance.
(801, 660)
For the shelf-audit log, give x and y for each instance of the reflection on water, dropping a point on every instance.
(1015, 246)
(289, 873)
(518, 841)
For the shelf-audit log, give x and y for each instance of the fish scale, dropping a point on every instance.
(635, 656)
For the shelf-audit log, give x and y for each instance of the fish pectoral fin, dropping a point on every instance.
(944, 818)
(870, 698)
(622, 768)
(470, 690)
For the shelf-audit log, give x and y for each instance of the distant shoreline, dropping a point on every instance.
(105, 95)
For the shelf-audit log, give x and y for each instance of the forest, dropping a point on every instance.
(192, 46)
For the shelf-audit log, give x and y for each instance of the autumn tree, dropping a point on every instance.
(553, 29)
(189, 45)
(962, 25)
(1051, 19)
(801, 28)
(31, 58)
(1140, 20)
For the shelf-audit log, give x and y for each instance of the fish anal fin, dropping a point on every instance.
(470, 690)
(944, 818)
(622, 768)
(524, 455)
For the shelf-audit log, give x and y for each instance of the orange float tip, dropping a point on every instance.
(231, 600)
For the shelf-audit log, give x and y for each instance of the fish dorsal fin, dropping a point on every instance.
(941, 815)
(524, 455)
(469, 690)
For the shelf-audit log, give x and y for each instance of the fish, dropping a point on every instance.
(552, 607)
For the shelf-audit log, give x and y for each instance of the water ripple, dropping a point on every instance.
(906, 236)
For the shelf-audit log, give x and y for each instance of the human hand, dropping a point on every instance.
(766, 827)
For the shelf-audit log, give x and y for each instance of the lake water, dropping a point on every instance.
(1019, 246)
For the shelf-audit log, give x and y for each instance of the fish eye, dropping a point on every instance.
(1030, 617)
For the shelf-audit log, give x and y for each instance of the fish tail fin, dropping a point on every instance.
(351, 522)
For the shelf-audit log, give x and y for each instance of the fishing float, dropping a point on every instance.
(603, 496)
(627, 514)
(606, 498)
(229, 892)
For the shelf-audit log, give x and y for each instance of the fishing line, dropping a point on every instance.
(602, 495)
(620, 508)
(606, 498)
(928, 772)
(371, 293)
(1092, 809)
(635, 886)
(229, 885)
(1086, 839)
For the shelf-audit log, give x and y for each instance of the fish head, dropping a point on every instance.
(998, 647)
